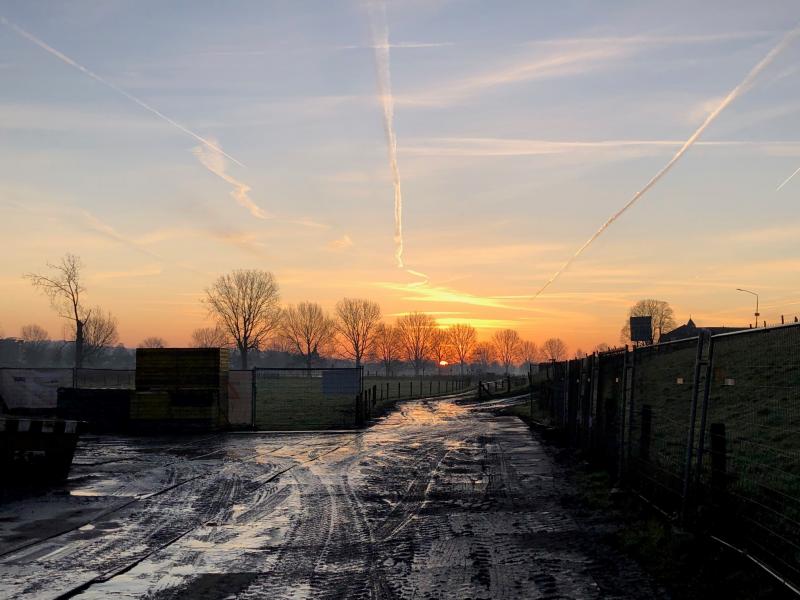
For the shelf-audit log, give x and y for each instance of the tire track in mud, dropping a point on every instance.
(160, 519)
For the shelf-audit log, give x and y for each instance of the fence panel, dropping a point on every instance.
(37, 389)
(658, 423)
(608, 409)
(293, 399)
(750, 461)
(240, 398)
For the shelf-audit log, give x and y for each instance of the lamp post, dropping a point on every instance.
(758, 314)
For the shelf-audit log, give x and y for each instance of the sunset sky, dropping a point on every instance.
(521, 127)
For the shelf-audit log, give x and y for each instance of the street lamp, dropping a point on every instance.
(758, 314)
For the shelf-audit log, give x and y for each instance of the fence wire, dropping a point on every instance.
(659, 412)
(749, 471)
(306, 398)
(706, 429)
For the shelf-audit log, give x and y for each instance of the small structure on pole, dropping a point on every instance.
(642, 330)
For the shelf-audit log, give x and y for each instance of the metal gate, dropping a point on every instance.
(297, 399)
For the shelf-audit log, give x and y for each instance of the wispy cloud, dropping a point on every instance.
(768, 234)
(146, 271)
(489, 147)
(479, 323)
(563, 62)
(427, 293)
(98, 226)
(658, 39)
(341, 243)
(213, 159)
(396, 45)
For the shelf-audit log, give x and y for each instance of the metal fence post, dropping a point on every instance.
(253, 392)
(719, 460)
(687, 466)
(701, 441)
(530, 383)
(630, 380)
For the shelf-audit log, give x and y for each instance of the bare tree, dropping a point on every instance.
(245, 302)
(35, 340)
(663, 318)
(602, 347)
(484, 356)
(506, 343)
(528, 353)
(356, 322)
(64, 288)
(309, 330)
(387, 346)
(153, 342)
(441, 350)
(210, 337)
(579, 353)
(99, 333)
(416, 336)
(462, 339)
(554, 349)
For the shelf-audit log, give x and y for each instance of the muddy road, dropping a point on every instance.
(437, 500)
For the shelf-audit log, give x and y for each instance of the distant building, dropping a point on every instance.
(691, 330)
(10, 352)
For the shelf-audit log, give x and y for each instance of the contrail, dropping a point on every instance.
(63, 57)
(787, 180)
(215, 162)
(380, 39)
(735, 93)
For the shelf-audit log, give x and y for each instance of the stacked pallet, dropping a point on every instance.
(180, 389)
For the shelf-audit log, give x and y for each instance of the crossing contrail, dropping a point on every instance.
(734, 93)
(380, 43)
(64, 58)
(787, 180)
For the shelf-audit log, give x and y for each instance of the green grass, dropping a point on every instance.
(297, 403)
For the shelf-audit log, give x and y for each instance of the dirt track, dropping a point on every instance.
(437, 500)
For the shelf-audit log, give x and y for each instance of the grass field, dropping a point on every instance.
(297, 403)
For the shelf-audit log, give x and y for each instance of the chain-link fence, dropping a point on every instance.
(307, 398)
(706, 429)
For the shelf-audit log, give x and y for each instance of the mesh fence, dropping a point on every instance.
(706, 429)
(607, 415)
(749, 463)
(31, 388)
(294, 399)
(659, 411)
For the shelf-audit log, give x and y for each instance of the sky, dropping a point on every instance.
(210, 136)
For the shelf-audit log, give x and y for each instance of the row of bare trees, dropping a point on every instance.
(247, 313)
(246, 307)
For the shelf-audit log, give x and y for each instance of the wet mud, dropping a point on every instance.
(439, 499)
